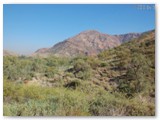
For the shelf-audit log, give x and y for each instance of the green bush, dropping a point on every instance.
(50, 72)
(31, 108)
(31, 100)
(110, 105)
(82, 69)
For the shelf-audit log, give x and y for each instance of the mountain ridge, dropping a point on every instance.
(9, 53)
(89, 42)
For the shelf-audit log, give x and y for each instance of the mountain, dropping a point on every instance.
(9, 53)
(41, 52)
(127, 37)
(89, 42)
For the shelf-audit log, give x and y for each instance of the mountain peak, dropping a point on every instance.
(89, 42)
(90, 32)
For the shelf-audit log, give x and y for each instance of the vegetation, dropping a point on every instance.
(117, 82)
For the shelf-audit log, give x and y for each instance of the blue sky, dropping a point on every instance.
(27, 28)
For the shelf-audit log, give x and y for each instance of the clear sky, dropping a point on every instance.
(27, 28)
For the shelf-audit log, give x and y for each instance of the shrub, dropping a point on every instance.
(26, 100)
(93, 62)
(31, 108)
(111, 105)
(103, 64)
(50, 72)
(82, 70)
(72, 103)
(73, 84)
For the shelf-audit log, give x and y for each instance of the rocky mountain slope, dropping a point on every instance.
(89, 42)
(127, 37)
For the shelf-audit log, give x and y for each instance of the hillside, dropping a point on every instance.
(9, 53)
(127, 37)
(89, 42)
(117, 82)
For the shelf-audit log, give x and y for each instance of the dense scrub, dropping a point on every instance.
(117, 82)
